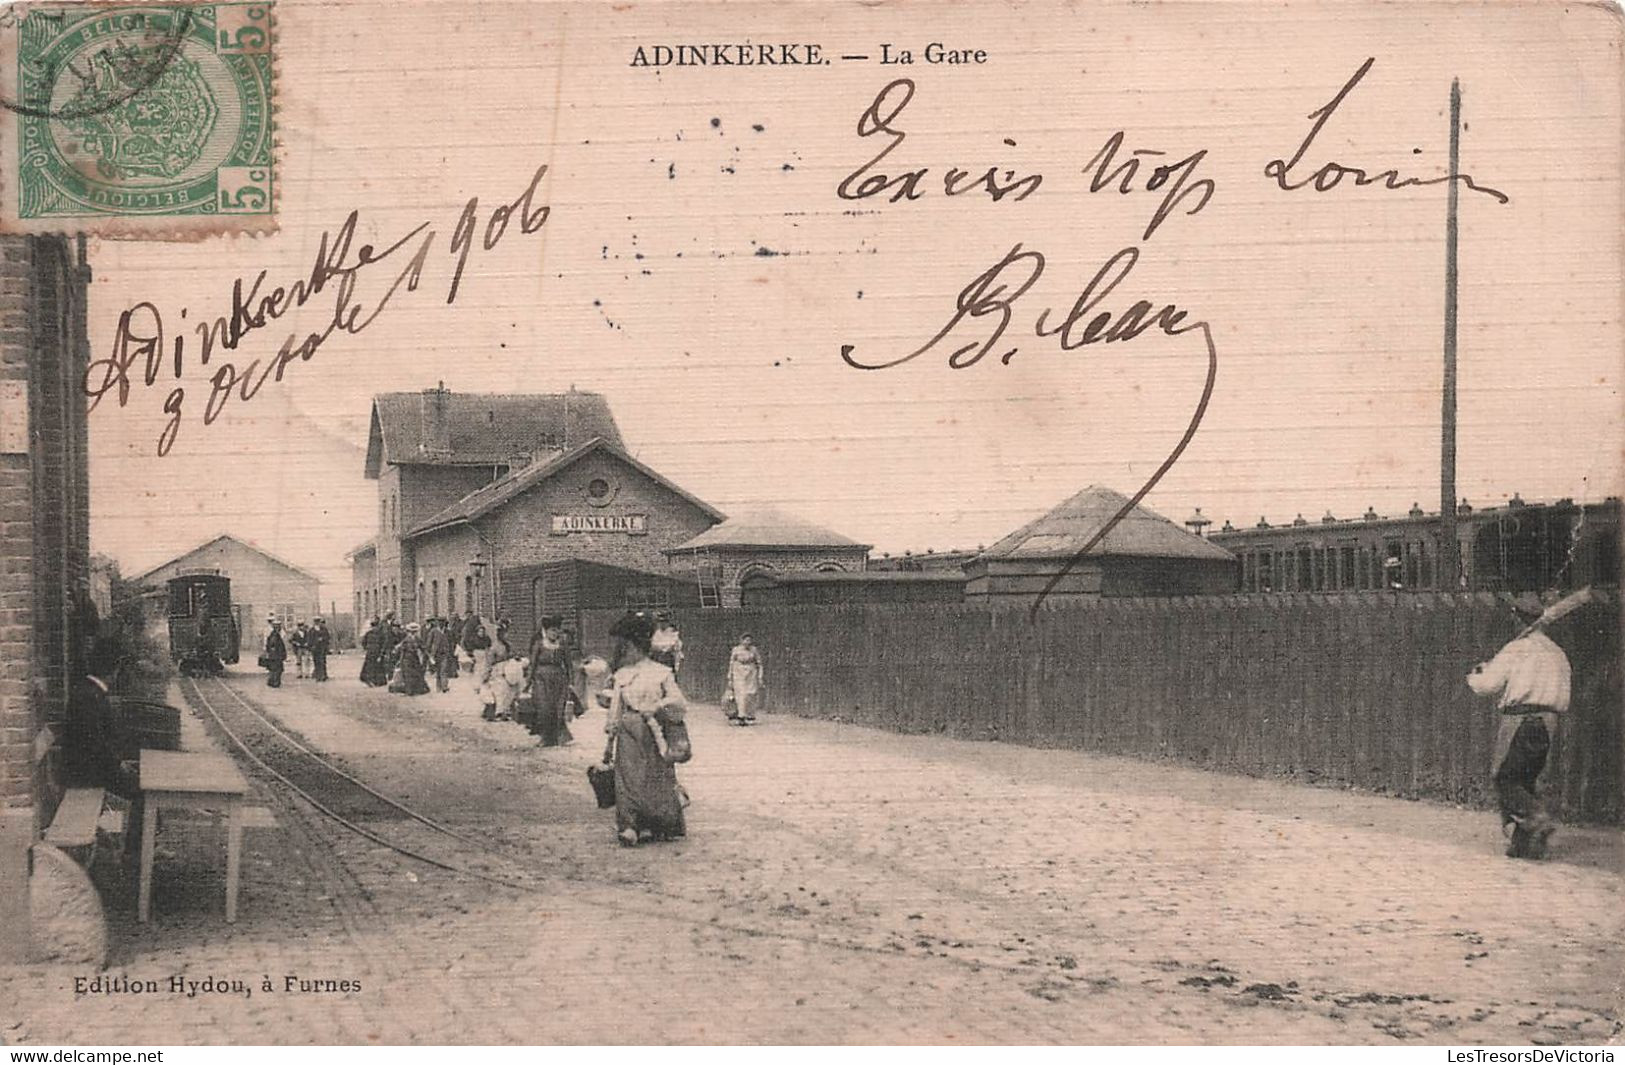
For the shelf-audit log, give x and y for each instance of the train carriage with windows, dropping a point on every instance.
(203, 631)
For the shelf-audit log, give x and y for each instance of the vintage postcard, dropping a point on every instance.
(811, 523)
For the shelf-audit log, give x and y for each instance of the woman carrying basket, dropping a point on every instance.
(647, 737)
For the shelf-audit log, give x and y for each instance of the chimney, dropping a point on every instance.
(437, 420)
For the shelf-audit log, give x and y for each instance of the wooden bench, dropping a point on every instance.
(84, 815)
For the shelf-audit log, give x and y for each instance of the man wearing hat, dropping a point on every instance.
(275, 654)
(320, 641)
(1529, 680)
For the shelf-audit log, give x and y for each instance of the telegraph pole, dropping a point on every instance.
(1449, 564)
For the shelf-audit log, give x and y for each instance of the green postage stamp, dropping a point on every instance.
(138, 120)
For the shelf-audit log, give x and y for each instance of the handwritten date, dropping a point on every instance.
(141, 337)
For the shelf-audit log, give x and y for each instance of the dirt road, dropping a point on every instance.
(844, 885)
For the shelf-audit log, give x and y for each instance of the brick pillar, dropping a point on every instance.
(18, 721)
(44, 538)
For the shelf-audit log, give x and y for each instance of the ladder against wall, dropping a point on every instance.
(708, 572)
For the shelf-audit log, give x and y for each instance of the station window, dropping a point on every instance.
(648, 597)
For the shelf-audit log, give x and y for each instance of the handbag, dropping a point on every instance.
(602, 777)
(265, 663)
(679, 748)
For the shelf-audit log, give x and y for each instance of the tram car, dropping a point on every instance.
(202, 629)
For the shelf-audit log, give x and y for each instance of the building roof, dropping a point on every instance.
(367, 546)
(884, 576)
(485, 499)
(1465, 513)
(768, 528)
(441, 428)
(1064, 531)
(234, 539)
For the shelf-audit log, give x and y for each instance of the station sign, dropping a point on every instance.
(632, 524)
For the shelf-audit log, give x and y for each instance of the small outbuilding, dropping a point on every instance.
(764, 542)
(1144, 554)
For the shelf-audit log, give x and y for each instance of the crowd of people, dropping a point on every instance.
(308, 646)
(547, 685)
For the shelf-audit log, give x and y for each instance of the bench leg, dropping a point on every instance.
(149, 836)
(234, 857)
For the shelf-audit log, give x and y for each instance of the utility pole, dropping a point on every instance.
(1449, 563)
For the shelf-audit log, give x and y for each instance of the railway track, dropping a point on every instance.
(339, 796)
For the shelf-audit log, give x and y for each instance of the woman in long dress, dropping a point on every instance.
(552, 664)
(643, 696)
(412, 662)
(745, 680)
(372, 662)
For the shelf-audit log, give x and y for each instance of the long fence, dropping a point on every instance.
(1359, 691)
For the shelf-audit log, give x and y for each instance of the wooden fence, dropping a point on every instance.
(1363, 691)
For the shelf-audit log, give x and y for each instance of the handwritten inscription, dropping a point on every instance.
(877, 121)
(980, 321)
(1331, 174)
(143, 344)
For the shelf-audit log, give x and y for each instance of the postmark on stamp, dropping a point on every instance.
(138, 120)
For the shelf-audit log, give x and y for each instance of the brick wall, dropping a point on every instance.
(44, 538)
(519, 534)
(739, 563)
(523, 529)
(444, 557)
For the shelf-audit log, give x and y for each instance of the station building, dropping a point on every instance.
(516, 506)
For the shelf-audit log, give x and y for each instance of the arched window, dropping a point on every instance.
(754, 569)
(830, 567)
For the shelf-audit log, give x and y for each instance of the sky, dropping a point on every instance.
(699, 268)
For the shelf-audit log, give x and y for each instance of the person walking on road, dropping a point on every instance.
(477, 642)
(644, 702)
(440, 654)
(1529, 679)
(742, 692)
(275, 655)
(319, 640)
(373, 673)
(411, 661)
(552, 666)
(501, 683)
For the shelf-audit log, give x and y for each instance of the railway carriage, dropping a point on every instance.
(203, 632)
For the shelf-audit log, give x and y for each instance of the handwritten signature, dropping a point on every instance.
(141, 336)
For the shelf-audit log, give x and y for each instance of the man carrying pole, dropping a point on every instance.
(1529, 680)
